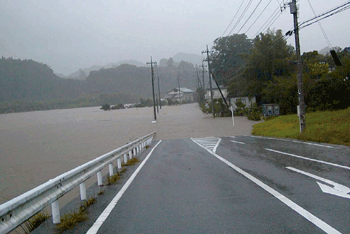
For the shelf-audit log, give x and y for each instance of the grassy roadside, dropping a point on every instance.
(328, 127)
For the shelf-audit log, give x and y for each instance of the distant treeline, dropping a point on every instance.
(26, 85)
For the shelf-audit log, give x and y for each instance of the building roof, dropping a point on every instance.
(183, 90)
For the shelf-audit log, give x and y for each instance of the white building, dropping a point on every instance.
(184, 94)
(245, 100)
(216, 93)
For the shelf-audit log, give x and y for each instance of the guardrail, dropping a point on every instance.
(16, 211)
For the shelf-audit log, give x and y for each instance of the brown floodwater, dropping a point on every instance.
(40, 145)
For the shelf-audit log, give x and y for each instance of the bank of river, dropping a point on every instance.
(37, 146)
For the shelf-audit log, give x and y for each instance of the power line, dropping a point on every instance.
(241, 16)
(272, 21)
(233, 18)
(258, 16)
(249, 16)
(268, 20)
(325, 13)
(343, 9)
(319, 24)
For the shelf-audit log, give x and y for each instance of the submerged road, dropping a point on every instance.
(240, 184)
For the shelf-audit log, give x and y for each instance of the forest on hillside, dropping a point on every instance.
(27, 85)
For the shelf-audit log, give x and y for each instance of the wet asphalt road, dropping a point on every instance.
(183, 188)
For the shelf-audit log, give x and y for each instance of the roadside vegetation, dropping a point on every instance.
(322, 126)
(35, 221)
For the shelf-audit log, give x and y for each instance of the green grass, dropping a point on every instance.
(69, 220)
(328, 127)
(113, 179)
(35, 221)
(130, 162)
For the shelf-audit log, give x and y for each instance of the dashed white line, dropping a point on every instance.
(238, 142)
(100, 220)
(310, 159)
(306, 214)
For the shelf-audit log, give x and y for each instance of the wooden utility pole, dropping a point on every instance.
(160, 100)
(152, 76)
(302, 122)
(178, 82)
(211, 88)
(203, 74)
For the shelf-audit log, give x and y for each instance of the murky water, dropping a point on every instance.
(37, 146)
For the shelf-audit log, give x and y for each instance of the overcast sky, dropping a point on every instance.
(72, 34)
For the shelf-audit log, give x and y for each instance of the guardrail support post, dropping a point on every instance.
(99, 178)
(130, 153)
(125, 158)
(82, 191)
(119, 161)
(55, 209)
(110, 167)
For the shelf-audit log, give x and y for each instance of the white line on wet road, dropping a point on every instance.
(301, 211)
(309, 159)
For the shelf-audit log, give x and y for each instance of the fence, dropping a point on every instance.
(18, 210)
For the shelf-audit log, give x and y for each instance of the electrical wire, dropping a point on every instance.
(343, 9)
(268, 20)
(258, 16)
(325, 13)
(272, 21)
(233, 18)
(319, 24)
(249, 16)
(241, 16)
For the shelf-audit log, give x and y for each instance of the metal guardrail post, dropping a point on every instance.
(125, 158)
(55, 209)
(99, 178)
(119, 162)
(110, 169)
(82, 191)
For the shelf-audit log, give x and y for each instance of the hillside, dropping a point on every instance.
(75, 75)
(28, 85)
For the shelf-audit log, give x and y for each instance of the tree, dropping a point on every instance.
(269, 57)
(226, 60)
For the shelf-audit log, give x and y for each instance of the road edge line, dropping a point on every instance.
(106, 212)
(301, 211)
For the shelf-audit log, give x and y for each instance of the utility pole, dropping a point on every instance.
(160, 100)
(152, 76)
(211, 88)
(302, 122)
(203, 74)
(178, 82)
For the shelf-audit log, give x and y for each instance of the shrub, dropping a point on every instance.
(106, 107)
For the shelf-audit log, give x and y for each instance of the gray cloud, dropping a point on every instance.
(68, 35)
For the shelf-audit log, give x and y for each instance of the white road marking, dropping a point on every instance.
(337, 189)
(310, 159)
(238, 142)
(100, 220)
(300, 142)
(306, 214)
(210, 143)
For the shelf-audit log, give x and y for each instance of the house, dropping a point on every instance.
(245, 100)
(182, 95)
(216, 93)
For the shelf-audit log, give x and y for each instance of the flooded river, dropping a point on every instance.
(37, 146)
